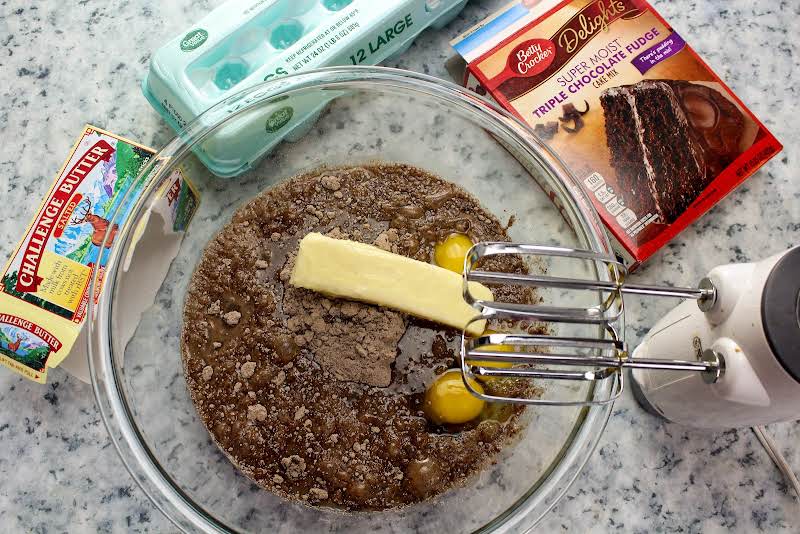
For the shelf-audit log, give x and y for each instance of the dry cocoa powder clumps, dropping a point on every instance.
(294, 466)
(247, 369)
(353, 341)
(317, 399)
(318, 494)
(214, 308)
(207, 373)
(231, 318)
(256, 412)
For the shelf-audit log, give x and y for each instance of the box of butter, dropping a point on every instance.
(652, 134)
(46, 284)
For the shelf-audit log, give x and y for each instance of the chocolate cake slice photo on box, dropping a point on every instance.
(669, 139)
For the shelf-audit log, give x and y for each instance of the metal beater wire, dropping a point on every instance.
(775, 454)
(528, 353)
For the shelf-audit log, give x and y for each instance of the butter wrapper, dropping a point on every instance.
(45, 290)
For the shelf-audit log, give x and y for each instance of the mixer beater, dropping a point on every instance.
(586, 359)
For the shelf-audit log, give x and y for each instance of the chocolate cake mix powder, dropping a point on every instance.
(320, 400)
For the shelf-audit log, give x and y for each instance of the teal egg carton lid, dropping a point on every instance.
(245, 42)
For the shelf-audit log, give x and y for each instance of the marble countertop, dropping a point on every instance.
(64, 64)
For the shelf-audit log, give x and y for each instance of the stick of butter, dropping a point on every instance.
(356, 271)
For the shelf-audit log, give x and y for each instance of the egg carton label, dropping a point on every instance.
(45, 288)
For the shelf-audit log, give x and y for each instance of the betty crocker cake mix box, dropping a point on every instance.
(653, 135)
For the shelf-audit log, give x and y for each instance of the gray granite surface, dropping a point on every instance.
(63, 64)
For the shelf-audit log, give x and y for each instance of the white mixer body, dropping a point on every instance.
(756, 387)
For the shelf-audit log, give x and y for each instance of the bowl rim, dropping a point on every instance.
(108, 384)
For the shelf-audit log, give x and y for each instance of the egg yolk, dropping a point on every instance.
(448, 401)
(490, 364)
(450, 253)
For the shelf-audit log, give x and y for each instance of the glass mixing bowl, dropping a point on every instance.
(370, 114)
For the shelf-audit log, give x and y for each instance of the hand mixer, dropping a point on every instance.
(738, 345)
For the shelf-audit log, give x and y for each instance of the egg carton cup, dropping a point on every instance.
(245, 42)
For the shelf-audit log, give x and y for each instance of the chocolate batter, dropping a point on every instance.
(320, 400)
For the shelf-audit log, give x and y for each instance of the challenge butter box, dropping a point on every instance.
(655, 137)
(45, 289)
